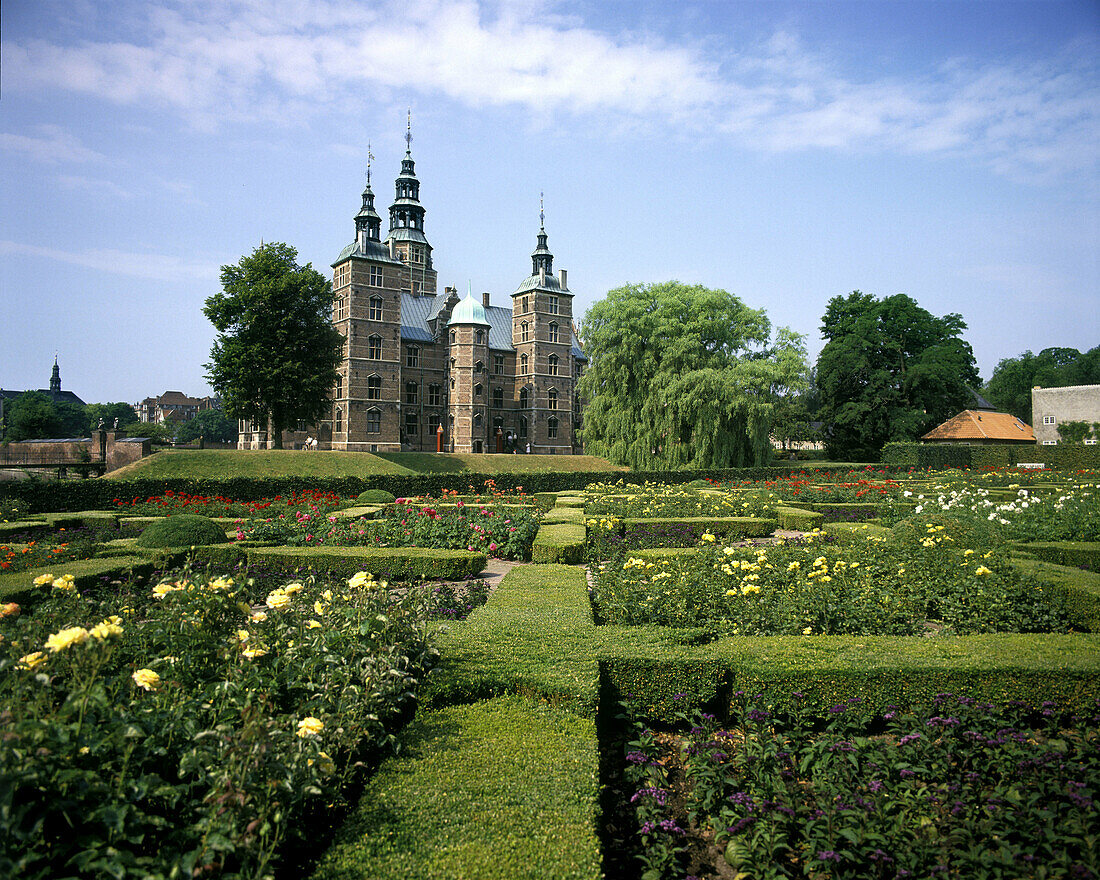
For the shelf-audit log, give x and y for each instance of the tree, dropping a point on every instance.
(1010, 385)
(889, 370)
(680, 376)
(211, 424)
(274, 360)
(32, 416)
(109, 412)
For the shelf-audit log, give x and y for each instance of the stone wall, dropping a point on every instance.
(1051, 407)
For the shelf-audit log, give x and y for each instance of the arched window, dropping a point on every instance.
(411, 393)
(374, 348)
(553, 332)
(524, 398)
(339, 386)
(452, 337)
(523, 332)
(552, 365)
(477, 390)
(523, 426)
(478, 367)
(552, 428)
(523, 365)
(477, 420)
(452, 365)
(552, 398)
(374, 388)
(479, 336)
(376, 308)
(339, 420)
(374, 421)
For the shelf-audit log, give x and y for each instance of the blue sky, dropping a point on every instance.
(787, 152)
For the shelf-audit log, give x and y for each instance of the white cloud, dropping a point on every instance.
(223, 62)
(156, 267)
(52, 145)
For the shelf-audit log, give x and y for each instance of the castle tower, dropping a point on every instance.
(55, 378)
(406, 239)
(367, 282)
(468, 369)
(542, 334)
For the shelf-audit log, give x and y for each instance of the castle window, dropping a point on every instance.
(552, 398)
(552, 305)
(374, 348)
(339, 419)
(523, 426)
(434, 395)
(553, 332)
(412, 356)
(452, 339)
(552, 428)
(339, 386)
(374, 388)
(479, 336)
(523, 365)
(524, 398)
(414, 254)
(477, 390)
(341, 275)
(412, 423)
(479, 367)
(552, 365)
(498, 364)
(433, 424)
(376, 308)
(411, 393)
(374, 421)
(375, 276)
(498, 398)
(523, 307)
(477, 420)
(523, 334)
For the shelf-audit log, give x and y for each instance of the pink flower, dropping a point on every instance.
(493, 546)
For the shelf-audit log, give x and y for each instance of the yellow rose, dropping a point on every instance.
(32, 660)
(708, 537)
(253, 653)
(310, 726)
(43, 579)
(318, 609)
(147, 679)
(220, 583)
(314, 624)
(807, 631)
(242, 636)
(981, 571)
(258, 616)
(105, 630)
(73, 635)
(277, 599)
(65, 582)
(162, 590)
(291, 589)
(361, 579)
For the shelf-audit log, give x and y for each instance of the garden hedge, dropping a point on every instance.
(692, 527)
(395, 563)
(563, 515)
(505, 789)
(1081, 554)
(797, 520)
(1079, 589)
(949, 455)
(563, 542)
(21, 528)
(534, 636)
(87, 574)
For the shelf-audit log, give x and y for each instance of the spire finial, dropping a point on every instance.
(542, 214)
(408, 132)
(370, 158)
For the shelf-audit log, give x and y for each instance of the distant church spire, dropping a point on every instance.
(368, 225)
(542, 260)
(55, 379)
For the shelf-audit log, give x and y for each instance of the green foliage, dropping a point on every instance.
(1074, 432)
(212, 425)
(505, 789)
(889, 371)
(182, 530)
(276, 353)
(88, 574)
(561, 543)
(682, 376)
(961, 529)
(31, 416)
(376, 496)
(109, 412)
(391, 563)
(1010, 385)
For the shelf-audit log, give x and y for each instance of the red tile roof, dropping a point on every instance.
(973, 424)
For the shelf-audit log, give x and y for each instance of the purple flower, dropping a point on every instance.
(827, 855)
(908, 738)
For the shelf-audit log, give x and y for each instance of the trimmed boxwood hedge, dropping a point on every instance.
(87, 574)
(19, 528)
(563, 515)
(1080, 554)
(396, 563)
(798, 520)
(692, 527)
(563, 542)
(1079, 589)
(181, 530)
(506, 789)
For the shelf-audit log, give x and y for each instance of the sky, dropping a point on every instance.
(787, 152)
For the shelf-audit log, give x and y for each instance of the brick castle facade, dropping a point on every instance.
(425, 370)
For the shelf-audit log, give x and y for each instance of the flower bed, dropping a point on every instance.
(169, 502)
(187, 729)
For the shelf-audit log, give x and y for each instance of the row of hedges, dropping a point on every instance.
(561, 542)
(504, 789)
(87, 575)
(1080, 589)
(949, 455)
(1080, 554)
(102, 493)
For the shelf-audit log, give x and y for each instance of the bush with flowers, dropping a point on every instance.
(188, 732)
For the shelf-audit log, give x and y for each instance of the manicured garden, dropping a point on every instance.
(737, 683)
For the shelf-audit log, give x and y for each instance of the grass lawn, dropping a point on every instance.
(225, 463)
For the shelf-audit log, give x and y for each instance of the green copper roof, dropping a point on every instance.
(469, 311)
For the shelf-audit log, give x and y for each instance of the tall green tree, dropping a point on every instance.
(1009, 388)
(274, 360)
(889, 370)
(109, 412)
(32, 416)
(682, 376)
(211, 424)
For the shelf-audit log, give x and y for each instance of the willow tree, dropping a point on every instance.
(274, 360)
(683, 376)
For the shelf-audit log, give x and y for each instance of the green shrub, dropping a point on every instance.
(686, 530)
(9, 530)
(562, 543)
(13, 509)
(563, 515)
(394, 563)
(87, 574)
(376, 496)
(1080, 590)
(798, 520)
(963, 530)
(1078, 554)
(506, 789)
(698, 484)
(183, 530)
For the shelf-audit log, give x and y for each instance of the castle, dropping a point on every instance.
(429, 371)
